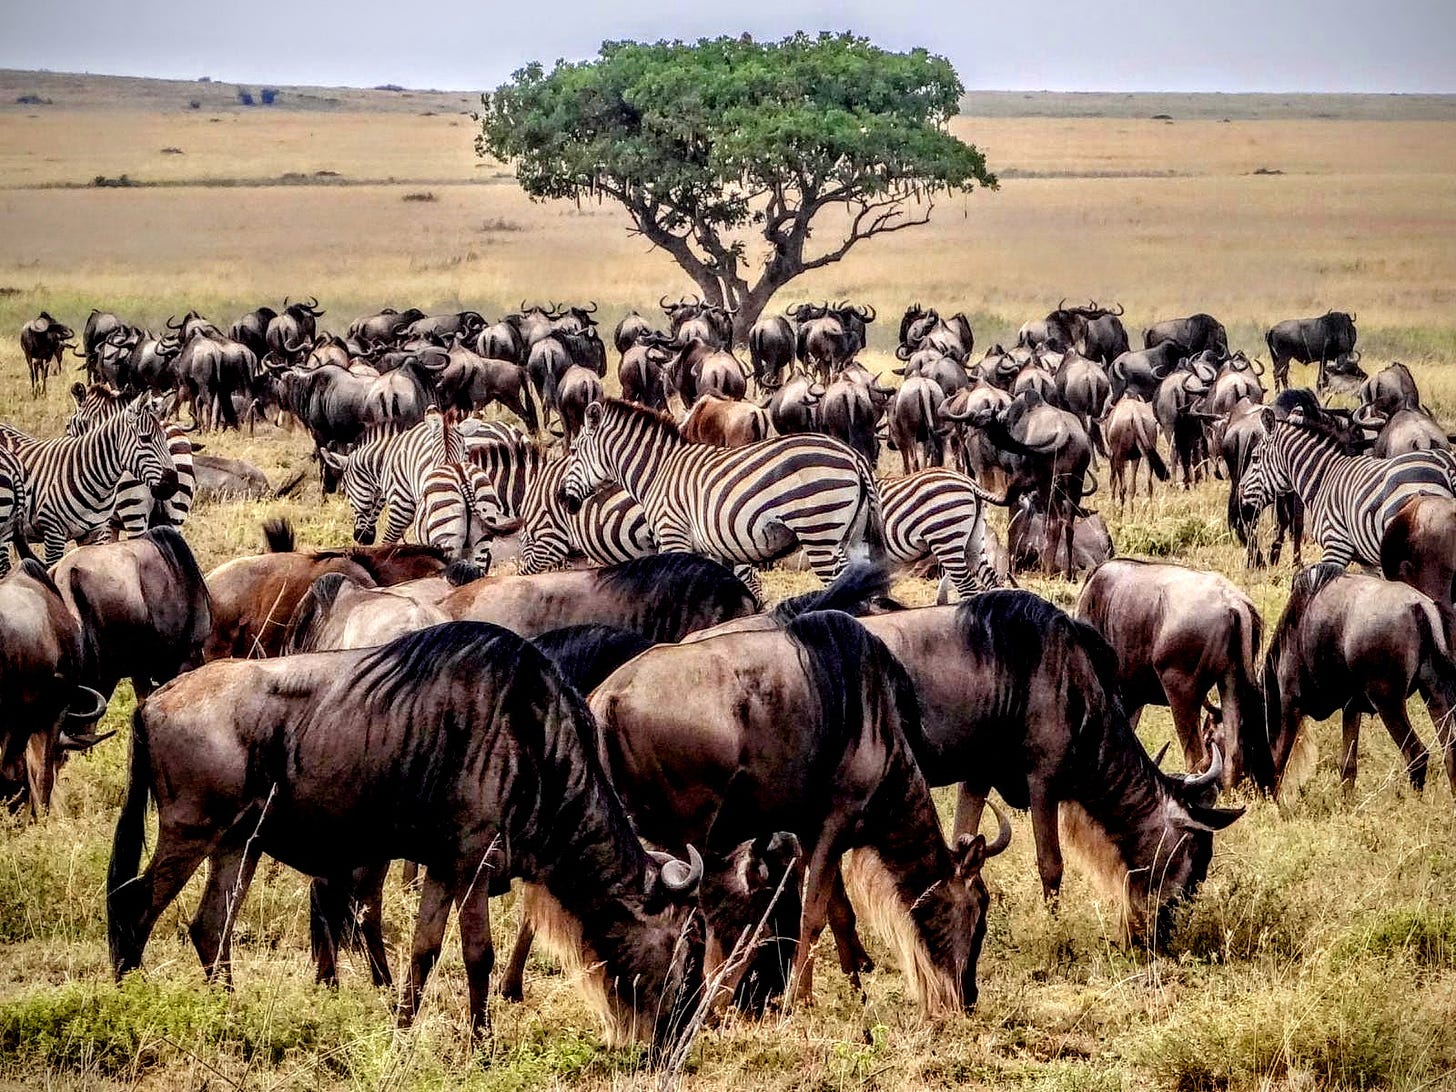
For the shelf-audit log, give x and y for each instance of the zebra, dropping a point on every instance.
(608, 529)
(741, 506)
(1349, 499)
(389, 467)
(137, 509)
(72, 481)
(512, 462)
(12, 504)
(459, 512)
(939, 513)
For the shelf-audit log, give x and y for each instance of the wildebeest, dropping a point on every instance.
(809, 729)
(251, 330)
(382, 326)
(215, 374)
(915, 427)
(725, 422)
(1029, 548)
(663, 596)
(1179, 633)
(471, 382)
(1019, 697)
(1142, 370)
(1324, 340)
(144, 606)
(1419, 548)
(460, 747)
(850, 411)
(640, 373)
(44, 341)
(1193, 334)
(1132, 437)
(289, 334)
(794, 405)
(253, 597)
(577, 388)
(1359, 644)
(1402, 432)
(770, 349)
(1390, 390)
(338, 612)
(44, 707)
(921, 329)
(629, 330)
(100, 326)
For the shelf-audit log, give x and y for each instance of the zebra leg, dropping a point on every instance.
(827, 562)
(753, 580)
(55, 547)
(401, 515)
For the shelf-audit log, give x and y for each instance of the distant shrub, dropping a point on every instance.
(32, 100)
(172, 151)
(194, 104)
(388, 87)
(268, 95)
(121, 181)
(245, 97)
(420, 195)
(204, 79)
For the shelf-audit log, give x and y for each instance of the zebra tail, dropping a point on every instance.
(874, 532)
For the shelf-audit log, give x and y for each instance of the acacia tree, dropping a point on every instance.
(707, 145)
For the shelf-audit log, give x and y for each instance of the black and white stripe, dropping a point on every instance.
(458, 511)
(136, 508)
(740, 506)
(1349, 499)
(939, 513)
(72, 481)
(609, 528)
(12, 503)
(512, 462)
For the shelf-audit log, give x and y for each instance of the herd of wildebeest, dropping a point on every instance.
(689, 783)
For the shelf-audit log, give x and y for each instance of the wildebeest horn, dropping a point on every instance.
(677, 876)
(94, 714)
(299, 347)
(312, 305)
(662, 301)
(1062, 303)
(83, 741)
(1209, 776)
(592, 309)
(1003, 832)
(1121, 310)
(173, 324)
(1162, 753)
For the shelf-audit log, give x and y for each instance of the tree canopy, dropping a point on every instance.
(710, 144)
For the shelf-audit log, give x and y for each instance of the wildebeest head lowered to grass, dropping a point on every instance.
(460, 747)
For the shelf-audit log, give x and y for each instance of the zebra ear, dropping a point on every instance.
(593, 416)
(1267, 419)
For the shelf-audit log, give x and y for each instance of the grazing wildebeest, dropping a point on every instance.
(1390, 390)
(1132, 436)
(460, 747)
(794, 405)
(810, 729)
(1141, 371)
(663, 596)
(44, 341)
(1419, 548)
(382, 326)
(1323, 340)
(144, 606)
(471, 382)
(44, 708)
(253, 597)
(1179, 633)
(1028, 547)
(1193, 334)
(1359, 644)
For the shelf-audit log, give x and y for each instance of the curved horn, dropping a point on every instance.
(297, 348)
(662, 301)
(1209, 776)
(1121, 310)
(95, 713)
(1162, 753)
(1003, 832)
(677, 876)
(173, 324)
(1062, 303)
(592, 309)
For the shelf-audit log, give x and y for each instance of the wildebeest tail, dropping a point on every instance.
(301, 635)
(874, 527)
(1439, 670)
(852, 591)
(126, 844)
(278, 534)
(1147, 439)
(1245, 637)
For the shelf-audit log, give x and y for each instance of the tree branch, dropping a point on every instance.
(881, 223)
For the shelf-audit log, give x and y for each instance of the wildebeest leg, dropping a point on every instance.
(1048, 841)
(477, 950)
(1393, 715)
(1349, 746)
(969, 805)
(513, 984)
(1185, 703)
(139, 903)
(229, 874)
(371, 927)
(429, 933)
(818, 890)
(327, 901)
(1438, 698)
(852, 956)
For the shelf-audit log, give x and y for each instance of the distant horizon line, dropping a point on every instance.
(391, 86)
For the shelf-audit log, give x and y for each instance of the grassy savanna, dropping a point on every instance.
(1322, 952)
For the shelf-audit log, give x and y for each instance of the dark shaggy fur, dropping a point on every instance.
(677, 593)
(587, 654)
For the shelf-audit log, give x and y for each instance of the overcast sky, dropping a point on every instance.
(1064, 45)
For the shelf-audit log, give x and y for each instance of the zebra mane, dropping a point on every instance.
(1325, 426)
(634, 411)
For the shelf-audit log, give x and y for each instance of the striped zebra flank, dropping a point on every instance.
(512, 462)
(12, 504)
(137, 509)
(745, 506)
(459, 512)
(1349, 499)
(389, 467)
(938, 513)
(72, 480)
(608, 529)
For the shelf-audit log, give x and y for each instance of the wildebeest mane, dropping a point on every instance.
(279, 536)
(677, 592)
(587, 654)
(301, 633)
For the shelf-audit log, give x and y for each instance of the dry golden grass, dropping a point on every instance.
(1322, 952)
